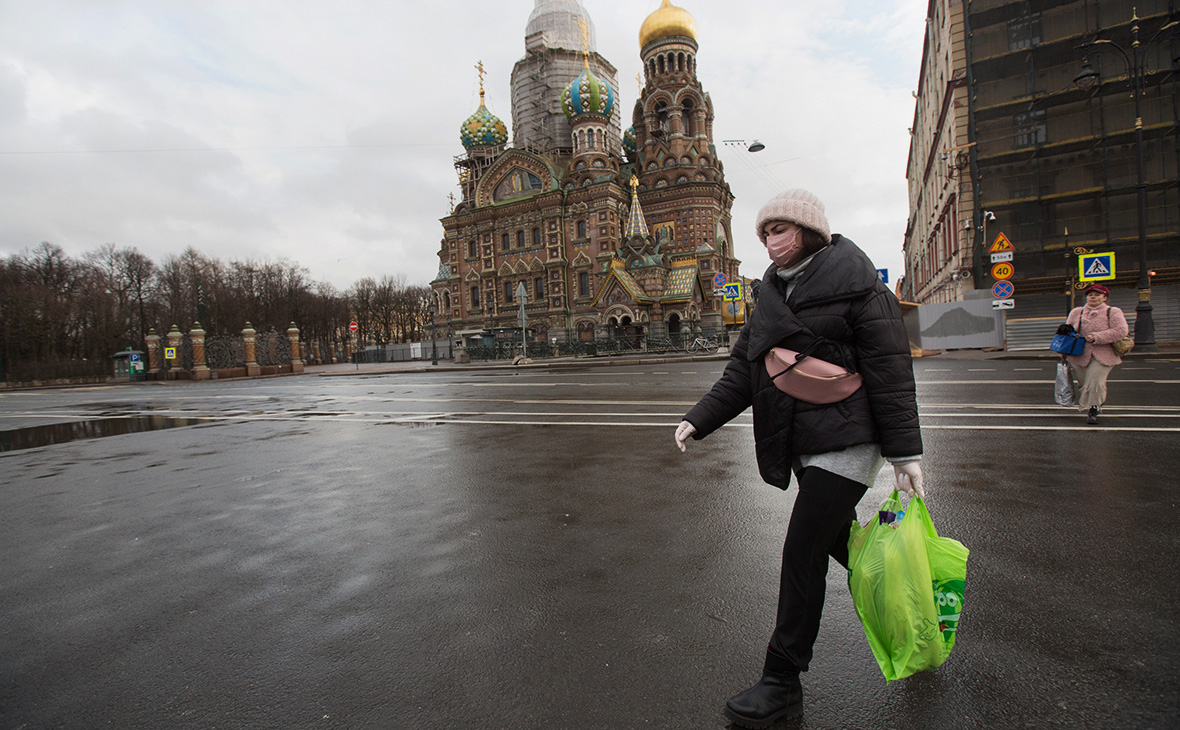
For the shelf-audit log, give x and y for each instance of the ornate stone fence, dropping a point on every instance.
(196, 357)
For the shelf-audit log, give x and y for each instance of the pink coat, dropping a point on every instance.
(1107, 324)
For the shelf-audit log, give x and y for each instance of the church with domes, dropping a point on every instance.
(611, 232)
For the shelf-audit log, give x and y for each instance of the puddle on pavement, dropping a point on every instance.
(60, 433)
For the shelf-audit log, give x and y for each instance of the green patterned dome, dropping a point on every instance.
(587, 93)
(483, 129)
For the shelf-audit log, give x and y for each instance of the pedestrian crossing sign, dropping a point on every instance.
(733, 292)
(1096, 266)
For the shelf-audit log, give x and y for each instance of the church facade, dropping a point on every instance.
(605, 233)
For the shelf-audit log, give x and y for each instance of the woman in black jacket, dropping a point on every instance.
(821, 291)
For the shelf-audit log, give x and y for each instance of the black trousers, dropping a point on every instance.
(818, 529)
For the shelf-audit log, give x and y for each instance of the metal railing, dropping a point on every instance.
(600, 347)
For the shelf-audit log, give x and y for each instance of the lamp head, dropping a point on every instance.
(1087, 77)
(757, 146)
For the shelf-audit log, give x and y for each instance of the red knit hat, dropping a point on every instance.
(1098, 288)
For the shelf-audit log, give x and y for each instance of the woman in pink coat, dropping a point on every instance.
(1101, 325)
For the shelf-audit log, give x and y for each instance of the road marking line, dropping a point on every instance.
(1029, 381)
(981, 370)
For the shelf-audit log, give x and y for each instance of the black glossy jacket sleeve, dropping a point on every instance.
(883, 357)
(729, 396)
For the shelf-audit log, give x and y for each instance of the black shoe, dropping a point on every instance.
(775, 697)
(1093, 416)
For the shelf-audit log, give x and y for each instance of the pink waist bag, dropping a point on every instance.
(809, 378)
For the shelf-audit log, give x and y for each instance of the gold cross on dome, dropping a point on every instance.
(479, 68)
(585, 40)
(634, 183)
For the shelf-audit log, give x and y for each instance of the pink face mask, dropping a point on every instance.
(784, 248)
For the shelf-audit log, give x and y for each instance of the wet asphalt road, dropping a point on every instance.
(529, 550)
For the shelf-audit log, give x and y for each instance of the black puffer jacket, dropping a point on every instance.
(841, 300)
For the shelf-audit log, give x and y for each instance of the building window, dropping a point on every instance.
(584, 284)
(1024, 32)
(471, 252)
(581, 229)
(520, 239)
(536, 236)
(1029, 128)
(474, 297)
(504, 242)
(539, 288)
(508, 292)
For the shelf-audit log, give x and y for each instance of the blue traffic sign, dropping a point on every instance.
(719, 279)
(1003, 289)
(883, 275)
(733, 292)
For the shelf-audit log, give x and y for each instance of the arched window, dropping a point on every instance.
(446, 300)
(661, 65)
(591, 140)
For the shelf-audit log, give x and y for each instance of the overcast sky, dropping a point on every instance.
(324, 132)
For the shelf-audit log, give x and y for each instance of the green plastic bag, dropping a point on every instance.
(907, 585)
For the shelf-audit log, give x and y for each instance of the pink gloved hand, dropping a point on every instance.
(684, 432)
(909, 478)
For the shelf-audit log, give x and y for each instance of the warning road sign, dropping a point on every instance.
(169, 353)
(1003, 271)
(733, 292)
(1001, 244)
(1096, 266)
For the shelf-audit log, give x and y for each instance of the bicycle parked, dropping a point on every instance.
(702, 344)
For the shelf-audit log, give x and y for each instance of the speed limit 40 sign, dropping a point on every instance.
(1002, 271)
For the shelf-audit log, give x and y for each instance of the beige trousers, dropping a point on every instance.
(1091, 384)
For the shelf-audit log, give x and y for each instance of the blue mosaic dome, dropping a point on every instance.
(629, 141)
(587, 93)
(483, 129)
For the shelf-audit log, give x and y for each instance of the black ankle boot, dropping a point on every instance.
(1093, 416)
(775, 697)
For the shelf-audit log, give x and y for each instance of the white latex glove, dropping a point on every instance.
(683, 433)
(909, 478)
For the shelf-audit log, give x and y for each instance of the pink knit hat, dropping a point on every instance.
(797, 206)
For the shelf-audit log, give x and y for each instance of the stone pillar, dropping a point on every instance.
(174, 338)
(153, 348)
(252, 367)
(200, 369)
(293, 336)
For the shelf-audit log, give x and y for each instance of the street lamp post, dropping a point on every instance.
(433, 309)
(1136, 68)
(981, 258)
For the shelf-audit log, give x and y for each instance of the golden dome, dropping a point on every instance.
(667, 20)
